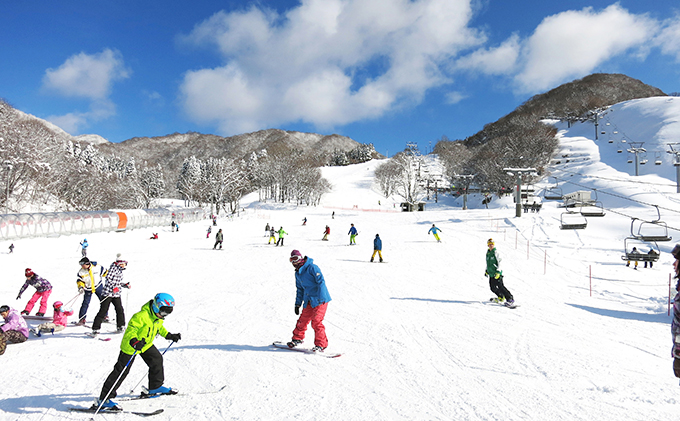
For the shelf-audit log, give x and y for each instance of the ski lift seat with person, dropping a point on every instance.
(633, 254)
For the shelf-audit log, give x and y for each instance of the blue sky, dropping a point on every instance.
(385, 72)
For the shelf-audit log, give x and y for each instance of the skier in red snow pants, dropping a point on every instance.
(313, 296)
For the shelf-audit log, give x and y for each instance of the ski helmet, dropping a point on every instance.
(29, 272)
(57, 304)
(162, 304)
(4, 309)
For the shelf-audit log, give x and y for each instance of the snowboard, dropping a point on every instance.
(513, 305)
(42, 318)
(282, 345)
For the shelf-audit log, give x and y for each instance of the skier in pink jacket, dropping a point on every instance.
(59, 319)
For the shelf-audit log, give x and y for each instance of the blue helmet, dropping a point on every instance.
(162, 304)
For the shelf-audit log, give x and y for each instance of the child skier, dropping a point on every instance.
(83, 245)
(209, 231)
(59, 319)
(43, 289)
(434, 230)
(272, 235)
(326, 233)
(313, 296)
(90, 281)
(14, 330)
(352, 235)
(281, 233)
(496, 276)
(112, 291)
(219, 237)
(377, 247)
(138, 339)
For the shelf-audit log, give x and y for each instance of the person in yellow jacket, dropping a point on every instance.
(89, 282)
(138, 339)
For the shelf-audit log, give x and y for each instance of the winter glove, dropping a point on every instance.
(81, 290)
(497, 275)
(137, 344)
(297, 310)
(116, 290)
(486, 273)
(173, 337)
(126, 285)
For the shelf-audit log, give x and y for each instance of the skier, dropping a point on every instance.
(377, 247)
(43, 289)
(112, 291)
(219, 237)
(326, 233)
(496, 276)
(634, 251)
(352, 235)
(272, 235)
(83, 245)
(59, 319)
(333, 215)
(281, 233)
(304, 221)
(434, 230)
(11, 248)
(154, 236)
(87, 285)
(138, 339)
(209, 231)
(313, 296)
(266, 230)
(173, 225)
(14, 330)
(652, 253)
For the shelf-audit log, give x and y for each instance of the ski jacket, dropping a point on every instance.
(434, 230)
(492, 262)
(142, 325)
(114, 281)
(39, 283)
(61, 317)
(14, 321)
(328, 230)
(219, 236)
(352, 231)
(281, 232)
(377, 243)
(86, 277)
(310, 285)
(272, 233)
(84, 244)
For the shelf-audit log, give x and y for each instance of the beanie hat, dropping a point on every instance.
(295, 255)
(29, 272)
(676, 251)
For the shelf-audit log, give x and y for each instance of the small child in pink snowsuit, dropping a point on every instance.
(59, 320)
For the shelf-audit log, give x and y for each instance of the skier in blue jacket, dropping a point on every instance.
(313, 296)
(352, 235)
(377, 247)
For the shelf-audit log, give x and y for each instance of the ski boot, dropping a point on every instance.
(107, 405)
(158, 391)
(40, 314)
(25, 313)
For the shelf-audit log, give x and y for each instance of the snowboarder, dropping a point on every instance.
(15, 329)
(43, 289)
(87, 285)
(173, 225)
(326, 233)
(281, 233)
(138, 339)
(313, 296)
(634, 251)
(333, 215)
(59, 319)
(377, 247)
(434, 230)
(112, 291)
(11, 248)
(496, 276)
(154, 236)
(304, 221)
(352, 235)
(214, 221)
(219, 237)
(272, 235)
(209, 231)
(83, 245)
(675, 324)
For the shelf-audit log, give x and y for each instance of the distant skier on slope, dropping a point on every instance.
(326, 233)
(138, 339)
(313, 296)
(352, 235)
(84, 245)
(281, 233)
(219, 237)
(272, 235)
(434, 230)
(377, 247)
(496, 276)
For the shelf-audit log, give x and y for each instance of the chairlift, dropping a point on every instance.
(610, 140)
(630, 160)
(636, 250)
(603, 132)
(656, 230)
(619, 150)
(554, 192)
(573, 220)
(643, 162)
(623, 140)
(615, 132)
(657, 158)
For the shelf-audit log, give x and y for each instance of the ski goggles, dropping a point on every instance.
(295, 259)
(164, 311)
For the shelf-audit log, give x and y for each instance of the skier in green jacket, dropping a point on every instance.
(496, 276)
(138, 339)
(281, 233)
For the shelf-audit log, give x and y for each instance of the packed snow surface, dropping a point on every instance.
(590, 340)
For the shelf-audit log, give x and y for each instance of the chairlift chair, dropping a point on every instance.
(572, 220)
(640, 256)
(656, 230)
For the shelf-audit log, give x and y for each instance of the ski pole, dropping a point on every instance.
(72, 300)
(114, 384)
(142, 379)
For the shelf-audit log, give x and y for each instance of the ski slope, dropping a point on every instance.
(590, 341)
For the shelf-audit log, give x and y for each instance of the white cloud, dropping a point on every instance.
(494, 61)
(573, 43)
(87, 76)
(669, 37)
(90, 77)
(454, 97)
(325, 62)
